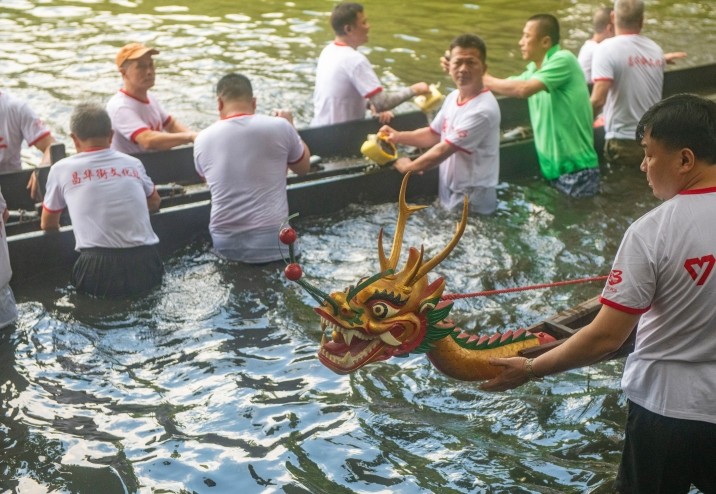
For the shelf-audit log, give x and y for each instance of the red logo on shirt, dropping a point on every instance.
(615, 277)
(700, 269)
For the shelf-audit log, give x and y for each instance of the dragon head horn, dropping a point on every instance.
(404, 212)
(425, 268)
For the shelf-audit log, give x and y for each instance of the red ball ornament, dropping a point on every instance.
(287, 235)
(293, 271)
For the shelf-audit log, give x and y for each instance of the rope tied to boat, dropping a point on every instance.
(456, 296)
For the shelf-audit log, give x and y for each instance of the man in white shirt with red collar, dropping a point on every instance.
(662, 282)
(346, 83)
(19, 123)
(140, 122)
(244, 159)
(628, 75)
(109, 197)
(464, 137)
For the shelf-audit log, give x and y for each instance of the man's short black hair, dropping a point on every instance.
(682, 121)
(547, 25)
(471, 41)
(234, 86)
(344, 14)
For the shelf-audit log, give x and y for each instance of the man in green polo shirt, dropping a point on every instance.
(560, 110)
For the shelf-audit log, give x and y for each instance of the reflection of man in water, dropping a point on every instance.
(345, 80)
(464, 137)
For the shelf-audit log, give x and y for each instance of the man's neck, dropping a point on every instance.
(466, 93)
(618, 31)
(540, 60)
(346, 40)
(136, 92)
(235, 108)
(93, 144)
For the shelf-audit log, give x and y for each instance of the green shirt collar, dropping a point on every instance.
(555, 48)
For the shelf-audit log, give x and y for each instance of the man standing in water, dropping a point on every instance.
(663, 281)
(628, 74)
(345, 80)
(244, 159)
(603, 29)
(464, 137)
(140, 122)
(109, 197)
(19, 123)
(8, 307)
(560, 110)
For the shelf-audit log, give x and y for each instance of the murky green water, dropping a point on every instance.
(211, 384)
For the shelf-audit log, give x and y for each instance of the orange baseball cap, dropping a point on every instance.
(133, 51)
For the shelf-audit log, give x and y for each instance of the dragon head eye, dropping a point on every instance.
(382, 310)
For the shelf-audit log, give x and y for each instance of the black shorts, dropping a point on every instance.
(664, 455)
(118, 272)
(583, 183)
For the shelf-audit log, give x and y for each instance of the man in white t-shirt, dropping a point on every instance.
(244, 159)
(8, 307)
(602, 29)
(140, 122)
(109, 197)
(19, 123)
(628, 75)
(346, 84)
(663, 280)
(464, 137)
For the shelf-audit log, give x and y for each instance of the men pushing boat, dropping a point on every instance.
(464, 137)
(109, 197)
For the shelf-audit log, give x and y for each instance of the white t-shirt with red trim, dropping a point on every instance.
(635, 66)
(244, 159)
(664, 270)
(106, 194)
(8, 307)
(5, 269)
(131, 116)
(586, 54)
(473, 127)
(17, 123)
(345, 80)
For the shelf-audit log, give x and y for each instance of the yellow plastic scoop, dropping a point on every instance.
(376, 148)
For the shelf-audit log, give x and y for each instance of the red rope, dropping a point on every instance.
(455, 296)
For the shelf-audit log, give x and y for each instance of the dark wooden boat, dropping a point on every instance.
(341, 178)
(566, 323)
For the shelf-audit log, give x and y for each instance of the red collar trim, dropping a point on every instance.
(235, 115)
(339, 43)
(134, 97)
(705, 190)
(459, 103)
(94, 149)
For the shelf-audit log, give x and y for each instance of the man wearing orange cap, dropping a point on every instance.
(139, 121)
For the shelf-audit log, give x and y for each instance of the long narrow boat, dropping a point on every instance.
(340, 179)
(564, 324)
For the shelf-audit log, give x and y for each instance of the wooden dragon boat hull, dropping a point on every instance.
(566, 323)
(340, 179)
